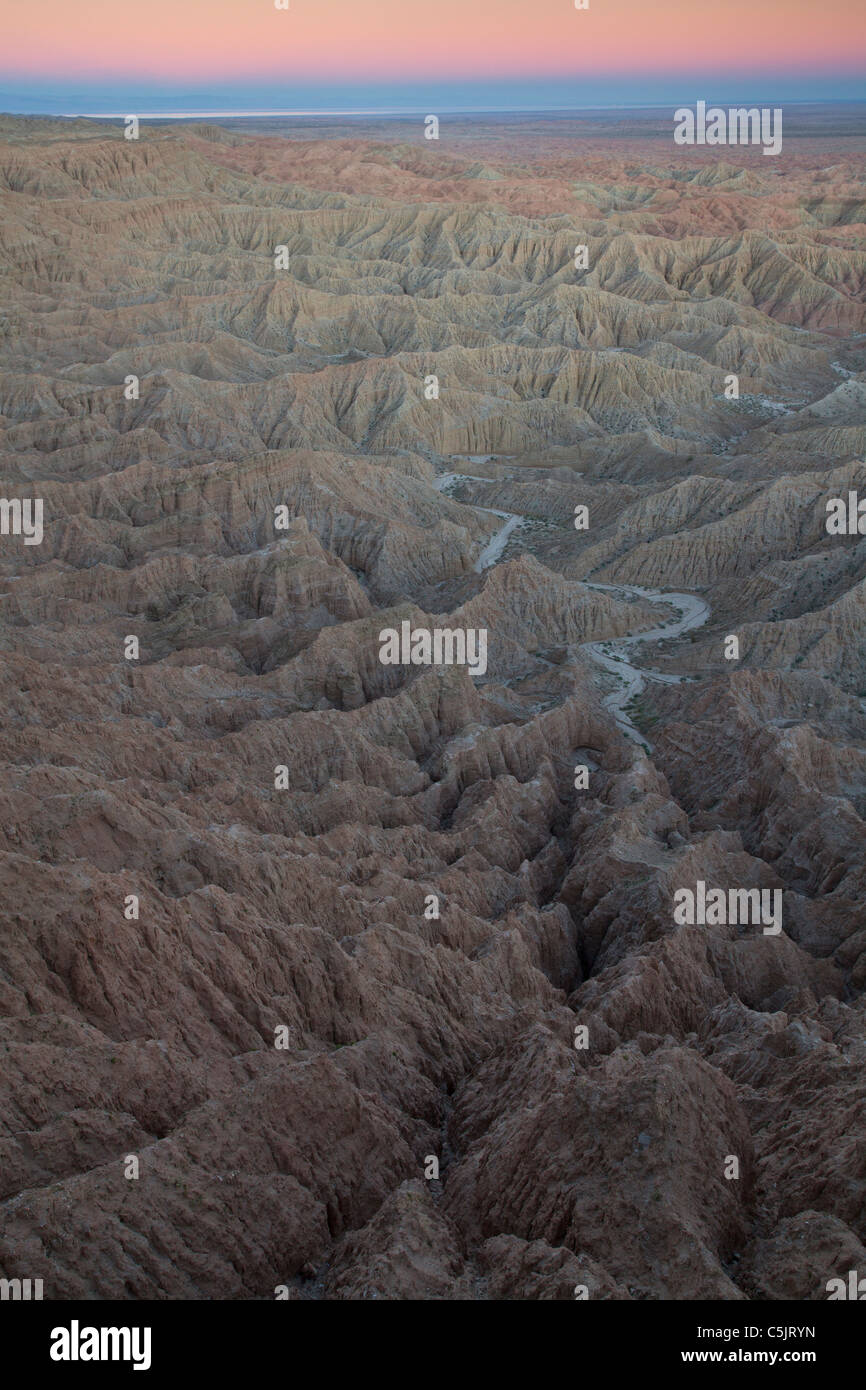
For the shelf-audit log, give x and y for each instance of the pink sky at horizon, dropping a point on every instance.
(397, 39)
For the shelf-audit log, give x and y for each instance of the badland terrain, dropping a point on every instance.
(323, 976)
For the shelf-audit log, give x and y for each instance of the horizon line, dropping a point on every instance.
(209, 114)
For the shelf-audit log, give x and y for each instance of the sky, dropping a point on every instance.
(112, 56)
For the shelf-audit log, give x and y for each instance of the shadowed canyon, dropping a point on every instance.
(375, 968)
